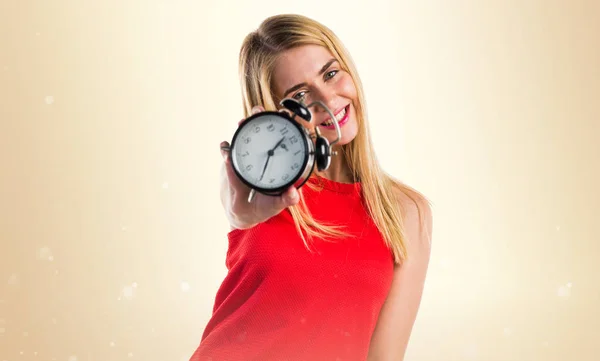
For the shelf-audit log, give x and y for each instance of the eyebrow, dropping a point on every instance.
(298, 86)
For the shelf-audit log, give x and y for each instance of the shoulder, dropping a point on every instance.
(417, 215)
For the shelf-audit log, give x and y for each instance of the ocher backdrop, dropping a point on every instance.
(112, 237)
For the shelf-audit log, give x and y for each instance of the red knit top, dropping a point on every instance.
(280, 302)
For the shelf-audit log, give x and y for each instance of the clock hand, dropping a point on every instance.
(269, 154)
(277, 145)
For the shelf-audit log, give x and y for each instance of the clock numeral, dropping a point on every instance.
(247, 140)
(294, 139)
(295, 166)
(249, 167)
(271, 180)
(298, 152)
(245, 154)
(256, 129)
(270, 127)
(285, 177)
(284, 131)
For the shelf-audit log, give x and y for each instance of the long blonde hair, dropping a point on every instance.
(257, 57)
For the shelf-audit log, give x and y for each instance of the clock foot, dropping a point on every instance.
(251, 195)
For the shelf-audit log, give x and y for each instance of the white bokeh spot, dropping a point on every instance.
(49, 99)
(564, 291)
(185, 287)
(127, 293)
(45, 254)
(13, 279)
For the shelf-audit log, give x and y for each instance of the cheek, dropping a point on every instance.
(346, 87)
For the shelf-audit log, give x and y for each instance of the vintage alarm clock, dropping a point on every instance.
(271, 151)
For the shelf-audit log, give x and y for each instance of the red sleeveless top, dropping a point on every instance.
(280, 302)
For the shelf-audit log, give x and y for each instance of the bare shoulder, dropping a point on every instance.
(417, 214)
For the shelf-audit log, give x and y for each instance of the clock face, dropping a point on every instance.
(269, 151)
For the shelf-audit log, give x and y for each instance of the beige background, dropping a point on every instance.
(111, 112)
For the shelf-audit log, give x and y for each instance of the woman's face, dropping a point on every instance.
(311, 73)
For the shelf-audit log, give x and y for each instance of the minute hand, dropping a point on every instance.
(269, 155)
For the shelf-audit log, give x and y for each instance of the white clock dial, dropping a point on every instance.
(269, 152)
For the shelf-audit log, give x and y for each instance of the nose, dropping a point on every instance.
(326, 96)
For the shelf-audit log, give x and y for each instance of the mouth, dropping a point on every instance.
(341, 116)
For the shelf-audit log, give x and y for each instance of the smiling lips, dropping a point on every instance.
(341, 117)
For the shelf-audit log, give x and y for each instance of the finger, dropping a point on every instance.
(257, 109)
(292, 196)
(289, 198)
(286, 111)
(225, 149)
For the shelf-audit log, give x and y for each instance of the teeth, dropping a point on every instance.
(338, 117)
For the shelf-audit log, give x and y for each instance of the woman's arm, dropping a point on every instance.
(399, 312)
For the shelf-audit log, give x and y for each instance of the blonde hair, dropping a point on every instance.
(257, 57)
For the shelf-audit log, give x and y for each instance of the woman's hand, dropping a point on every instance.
(234, 195)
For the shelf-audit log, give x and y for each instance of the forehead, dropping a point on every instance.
(299, 64)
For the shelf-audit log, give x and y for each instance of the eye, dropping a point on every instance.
(331, 74)
(300, 95)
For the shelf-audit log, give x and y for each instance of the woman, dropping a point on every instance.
(333, 270)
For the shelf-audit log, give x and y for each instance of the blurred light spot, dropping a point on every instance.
(564, 291)
(134, 285)
(21, 352)
(185, 286)
(127, 293)
(165, 185)
(130, 354)
(545, 343)
(5, 68)
(124, 228)
(73, 358)
(112, 344)
(37, 34)
(13, 279)
(54, 321)
(558, 228)
(507, 331)
(49, 99)
(34, 353)
(25, 333)
(2, 330)
(44, 254)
